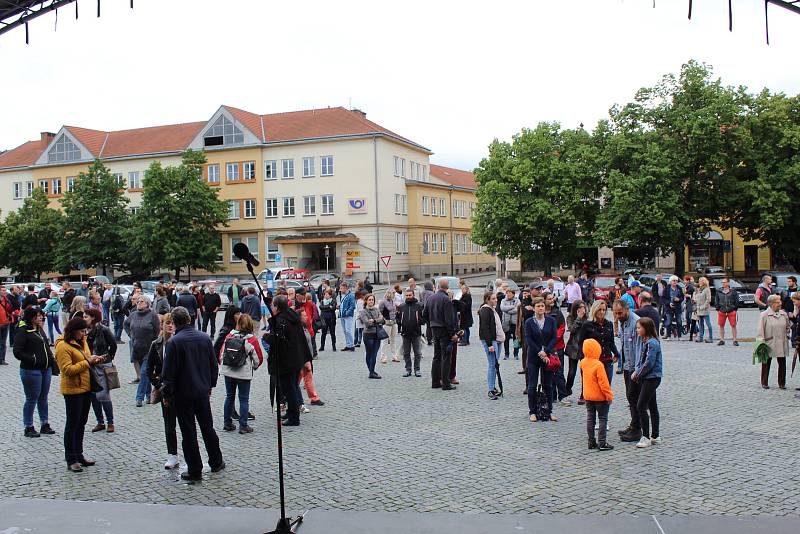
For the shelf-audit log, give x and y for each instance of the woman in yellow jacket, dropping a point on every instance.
(74, 360)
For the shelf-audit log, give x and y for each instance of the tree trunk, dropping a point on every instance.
(177, 273)
(680, 261)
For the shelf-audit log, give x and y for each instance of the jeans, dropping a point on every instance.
(673, 322)
(442, 356)
(465, 339)
(359, 337)
(119, 320)
(170, 427)
(609, 367)
(53, 322)
(511, 334)
(347, 327)
(599, 409)
(143, 390)
(210, 319)
(189, 410)
(77, 414)
(329, 327)
(36, 384)
(632, 390)
(231, 384)
(371, 346)
(409, 343)
(705, 320)
(647, 402)
(106, 311)
(5, 332)
(103, 406)
(535, 367)
(491, 362)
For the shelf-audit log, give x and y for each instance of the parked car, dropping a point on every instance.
(648, 279)
(274, 271)
(780, 279)
(747, 298)
(452, 282)
(602, 284)
(295, 274)
(317, 279)
(711, 269)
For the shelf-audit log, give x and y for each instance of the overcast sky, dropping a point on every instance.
(451, 75)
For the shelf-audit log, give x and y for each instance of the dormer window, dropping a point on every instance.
(63, 150)
(223, 132)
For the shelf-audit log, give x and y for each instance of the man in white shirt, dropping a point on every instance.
(572, 290)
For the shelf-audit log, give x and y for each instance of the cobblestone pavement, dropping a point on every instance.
(397, 445)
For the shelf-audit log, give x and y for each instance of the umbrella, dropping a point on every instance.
(794, 361)
(500, 378)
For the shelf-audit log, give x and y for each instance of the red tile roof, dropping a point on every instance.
(453, 176)
(277, 127)
(24, 155)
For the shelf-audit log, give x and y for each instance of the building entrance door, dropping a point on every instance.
(315, 257)
(751, 258)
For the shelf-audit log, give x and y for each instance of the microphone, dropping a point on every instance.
(241, 251)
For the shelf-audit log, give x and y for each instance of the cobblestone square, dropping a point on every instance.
(398, 445)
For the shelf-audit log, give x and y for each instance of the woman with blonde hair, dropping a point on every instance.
(77, 307)
(155, 360)
(702, 302)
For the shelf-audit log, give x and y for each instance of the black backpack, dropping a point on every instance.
(233, 352)
(542, 412)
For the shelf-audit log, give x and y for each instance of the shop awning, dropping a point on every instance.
(320, 237)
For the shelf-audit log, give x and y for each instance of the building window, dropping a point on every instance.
(425, 209)
(119, 178)
(434, 207)
(400, 204)
(44, 185)
(471, 209)
(71, 183)
(234, 242)
(135, 209)
(288, 206)
(456, 240)
(435, 244)
(133, 180)
(272, 249)
(223, 132)
(288, 169)
(413, 170)
(233, 209)
(463, 244)
(444, 243)
(17, 189)
(310, 205)
(232, 172)
(399, 167)
(249, 170)
(63, 150)
(401, 242)
(424, 177)
(57, 186)
(327, 204)
(252, 244)
(471, 245)
(271, 207)
(271, 170)
(442, 208)
(250, 209)
(426, 243)
(308, 167)
(213, 174)
(327, 165)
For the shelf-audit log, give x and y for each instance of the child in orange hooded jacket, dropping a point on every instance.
(597, 393)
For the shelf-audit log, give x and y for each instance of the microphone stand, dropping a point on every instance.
(286, 525)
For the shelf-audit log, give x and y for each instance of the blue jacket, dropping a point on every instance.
(631, 342)
(190, 366)
(629, 299)
(251, 305)
(348, 305)
(649, 364)
(538, 340)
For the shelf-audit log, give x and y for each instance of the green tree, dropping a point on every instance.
(673, 161)
(28, 237)
(766, 204)
(177, 225)
(94, 222)
(538, 194)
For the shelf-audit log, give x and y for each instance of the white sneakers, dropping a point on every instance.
(172, 462)
(643, 443)
(303, 409)
(655, 441)
(566, 401)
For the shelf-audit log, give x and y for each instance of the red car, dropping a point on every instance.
(602, 284)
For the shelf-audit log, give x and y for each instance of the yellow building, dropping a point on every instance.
(440, 224)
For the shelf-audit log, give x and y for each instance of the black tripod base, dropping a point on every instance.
(287, 525)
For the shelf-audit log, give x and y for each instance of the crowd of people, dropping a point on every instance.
(176, 364)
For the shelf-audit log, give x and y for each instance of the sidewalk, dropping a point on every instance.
(51, 516)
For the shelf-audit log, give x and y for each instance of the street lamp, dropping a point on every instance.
(327, 256)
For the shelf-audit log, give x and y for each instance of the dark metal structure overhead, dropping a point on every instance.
(791, 5)
(15, 13)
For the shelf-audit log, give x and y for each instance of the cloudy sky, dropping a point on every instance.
(451, 75)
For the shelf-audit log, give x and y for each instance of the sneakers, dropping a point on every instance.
(655, 441)
(172, 462)
(30, 432)
(417, 374)
(493, 394)
(709, 340)
(303, 409)
(643, 443)
(138, 404)
(720, 342)
(406, 374)
(735, 343)
(566, 401)
(605, 447)
(251, 416)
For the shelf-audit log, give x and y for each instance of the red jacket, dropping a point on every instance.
(311, 311)
(6, 312)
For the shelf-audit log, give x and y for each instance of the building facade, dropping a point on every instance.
(323, 190)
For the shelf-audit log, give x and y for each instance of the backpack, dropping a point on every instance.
(233, 352)
(542, 412)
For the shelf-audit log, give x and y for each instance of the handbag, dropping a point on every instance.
(112, 377)
(381, 333)
(553, 362)
(517, 344)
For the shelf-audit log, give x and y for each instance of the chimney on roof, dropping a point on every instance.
(47, 137)
(362, 113)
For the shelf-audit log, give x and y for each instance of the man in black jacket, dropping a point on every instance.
(211, 304)
(444, 323)
(289, 351)
(189, 302)
(188, 375)
(409, 321)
